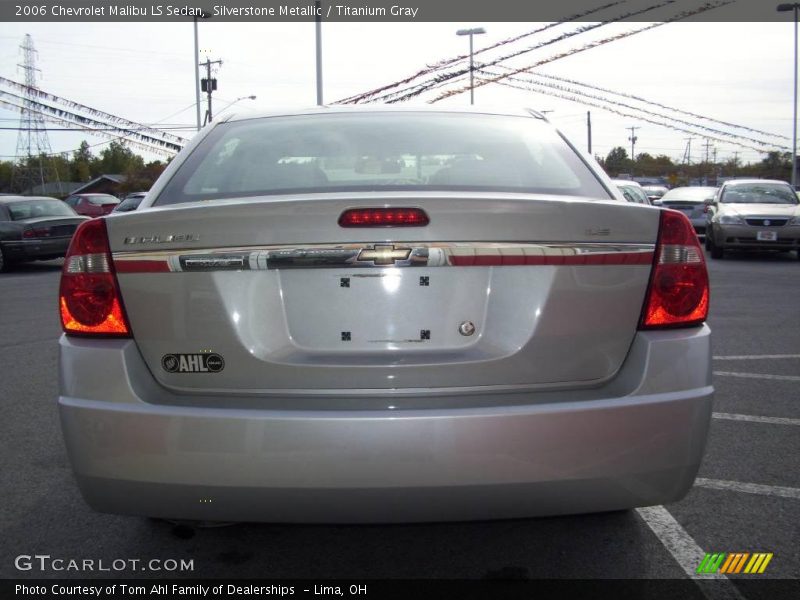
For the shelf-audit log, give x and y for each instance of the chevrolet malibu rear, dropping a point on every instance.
(383, 315)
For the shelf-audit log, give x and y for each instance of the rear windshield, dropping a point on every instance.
(102, 200)
(129, 204)
(381, 152)
(759, 193)
(32, 209)
(697, 194)
(634, 194)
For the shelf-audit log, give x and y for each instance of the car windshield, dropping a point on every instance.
(759, 193)
(381, 152)
(33, 209)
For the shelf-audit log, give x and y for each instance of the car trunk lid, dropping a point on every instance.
(264, 295)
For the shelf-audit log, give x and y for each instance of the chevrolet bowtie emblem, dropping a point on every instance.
(383, 255)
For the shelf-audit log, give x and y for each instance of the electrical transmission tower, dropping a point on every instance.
(34, 164)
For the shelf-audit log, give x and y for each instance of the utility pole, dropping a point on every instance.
(318, 39)
(687, 155)
(209, 85)
(589, 129)
(633, 139)
(708, 147)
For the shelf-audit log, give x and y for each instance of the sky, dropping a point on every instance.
(740, 73)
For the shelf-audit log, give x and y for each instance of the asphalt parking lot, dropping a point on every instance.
(747, 497)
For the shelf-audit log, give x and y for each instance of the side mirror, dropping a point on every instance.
(708, 203)
(655, 201)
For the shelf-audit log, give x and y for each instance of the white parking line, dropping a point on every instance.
(757, 357)
(756, 419)
(686, 552)
(757, 376)
(748, 488)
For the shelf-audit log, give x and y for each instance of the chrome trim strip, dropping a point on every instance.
(383, 255)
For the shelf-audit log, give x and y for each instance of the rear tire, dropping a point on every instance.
(716, 251)
(4, 264)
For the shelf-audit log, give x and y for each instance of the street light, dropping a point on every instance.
(470, 33)
(786, 8)
(229, 104)
(202, 15)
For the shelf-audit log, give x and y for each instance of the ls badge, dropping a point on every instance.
(193, 363)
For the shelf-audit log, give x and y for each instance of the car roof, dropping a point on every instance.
(754, 180)
(8, 199)
(384, 108)
(694, 187)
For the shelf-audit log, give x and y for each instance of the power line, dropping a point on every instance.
(441, 64)
(648, 111)
(122, 136)
(654, 103)
(140, 134)
(41, 95)
(585, 102)
(680, 16)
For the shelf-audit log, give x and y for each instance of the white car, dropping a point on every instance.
(383, 314)
(753, 214)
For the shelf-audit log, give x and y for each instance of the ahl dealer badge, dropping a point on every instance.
(193, 363)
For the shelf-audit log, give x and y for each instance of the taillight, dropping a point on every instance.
(678, 292)
(36, 233)
(89, 297)
(384, 217)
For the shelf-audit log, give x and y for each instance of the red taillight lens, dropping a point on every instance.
(36, 233)
(89, 298)
(384, 217)
(678, 291)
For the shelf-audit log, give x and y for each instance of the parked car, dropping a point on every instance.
(92, 205)
(632, 191)
(488, 333)
(691, 201)
(753, 214)
(655, 192)
(130, 202)
(34, 228)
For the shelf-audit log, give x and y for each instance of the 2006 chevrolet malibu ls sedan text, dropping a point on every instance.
(340, 315)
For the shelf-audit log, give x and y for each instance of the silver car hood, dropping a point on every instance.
(760, 210)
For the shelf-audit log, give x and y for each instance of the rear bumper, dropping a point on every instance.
(36, 249)
(636, 441)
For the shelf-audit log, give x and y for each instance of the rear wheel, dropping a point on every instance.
(3, 261)
(716, 251)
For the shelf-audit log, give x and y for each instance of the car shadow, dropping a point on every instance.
(753, 257)
(31, 268)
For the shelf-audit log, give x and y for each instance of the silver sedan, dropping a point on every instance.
(753, 214)
(691, 201)
(374, 315)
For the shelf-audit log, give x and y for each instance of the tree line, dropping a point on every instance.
(776, 165)
(82, 166)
